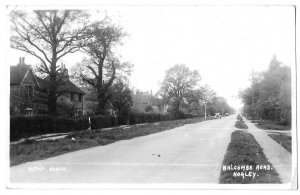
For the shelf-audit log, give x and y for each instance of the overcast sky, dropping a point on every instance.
(223, 43)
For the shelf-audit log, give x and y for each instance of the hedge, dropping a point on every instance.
(136, 117)
(27, 126)
(101, 121)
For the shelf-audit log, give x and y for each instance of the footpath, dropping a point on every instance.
(280, 158)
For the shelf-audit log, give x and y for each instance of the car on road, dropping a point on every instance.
(217, 115)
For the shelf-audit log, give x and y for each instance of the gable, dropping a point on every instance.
(29, 79)
(17, 73)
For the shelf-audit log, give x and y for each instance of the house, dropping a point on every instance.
(23, 83)
(142, 100)
(24, 94)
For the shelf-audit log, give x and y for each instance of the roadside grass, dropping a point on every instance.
(31, 150)
(269, 125)
(284, 140)
(240, 125)
(244, 150)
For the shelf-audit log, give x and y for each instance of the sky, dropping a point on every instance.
(223, 43)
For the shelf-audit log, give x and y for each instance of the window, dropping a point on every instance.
(80, 97)
(75, 97)
(72, 96)
(29, 91)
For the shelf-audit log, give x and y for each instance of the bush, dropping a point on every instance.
(27, 126)
(83, 123)
(64, 124)
(20, 126)
(140, 117)
(101, 121)
(123, 120)
(42, 124)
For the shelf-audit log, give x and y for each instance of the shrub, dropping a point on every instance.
(140, 117)
(64, 124)
(27, 126)
(42, 124)
(20, 126)
(83, 124)
(101, 121)
(123, 120)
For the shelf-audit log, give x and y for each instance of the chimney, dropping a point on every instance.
(64, 71)
(21, 60)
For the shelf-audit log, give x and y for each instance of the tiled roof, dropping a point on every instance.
(67, 86)
(17, 73)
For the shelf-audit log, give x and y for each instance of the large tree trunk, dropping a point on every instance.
(52, 87)
(177, 109)
(52, 103)
(101, 103)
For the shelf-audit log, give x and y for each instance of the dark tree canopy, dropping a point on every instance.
(121, 98)
(270, 94)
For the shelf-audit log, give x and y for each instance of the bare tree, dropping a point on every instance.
(101, 63)
(49, 35)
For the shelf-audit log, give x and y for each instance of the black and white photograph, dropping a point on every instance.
(172, 96)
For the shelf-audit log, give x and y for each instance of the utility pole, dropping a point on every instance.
(205, 109)
(252, 94)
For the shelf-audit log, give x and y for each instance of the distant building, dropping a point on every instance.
(142, 100)
(24, 93)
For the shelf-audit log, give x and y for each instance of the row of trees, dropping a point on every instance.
(269, 96)
(50, 35)
(180, 89)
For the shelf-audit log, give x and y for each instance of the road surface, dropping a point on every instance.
(192, 153)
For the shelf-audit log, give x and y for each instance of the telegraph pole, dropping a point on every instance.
(205, 109)
(252, 94)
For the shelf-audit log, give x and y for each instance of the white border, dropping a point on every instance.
(79, 4)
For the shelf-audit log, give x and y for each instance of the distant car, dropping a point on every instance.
(217, 115)
(226, 114)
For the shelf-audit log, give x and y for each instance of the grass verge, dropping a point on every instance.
(284, 140)
(245, 162)
(269, 125)
(240, 125)
(38, 150)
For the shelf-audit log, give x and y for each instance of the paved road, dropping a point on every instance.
(189, 154)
